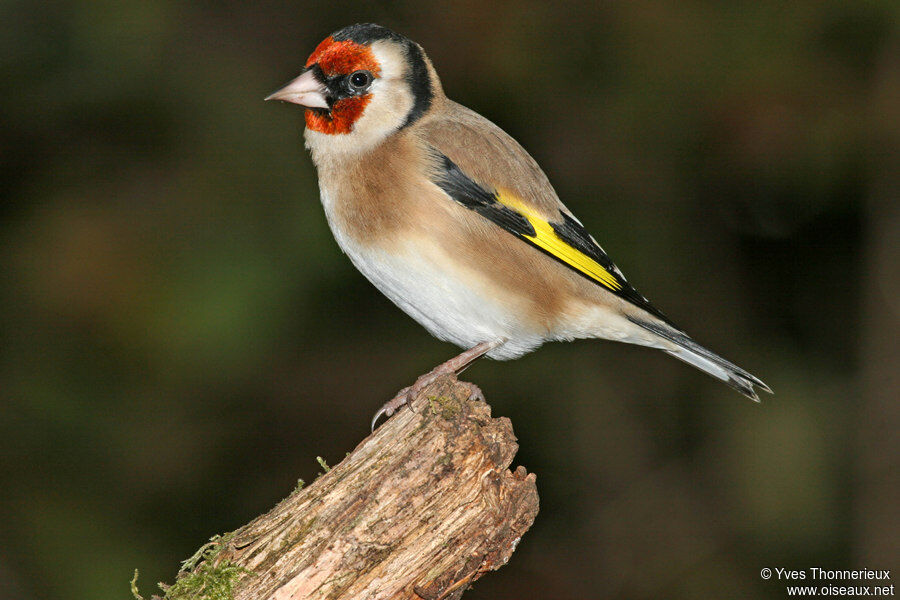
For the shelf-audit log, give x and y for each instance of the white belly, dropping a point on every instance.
(449, 303)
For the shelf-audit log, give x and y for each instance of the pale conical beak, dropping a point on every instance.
(306, 90)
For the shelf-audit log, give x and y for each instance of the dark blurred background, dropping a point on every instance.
(181, 336)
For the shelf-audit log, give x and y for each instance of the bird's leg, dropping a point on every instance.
(452, 367)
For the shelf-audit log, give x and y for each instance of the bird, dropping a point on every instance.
(451, 218)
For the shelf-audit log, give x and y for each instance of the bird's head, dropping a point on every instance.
(361, 84)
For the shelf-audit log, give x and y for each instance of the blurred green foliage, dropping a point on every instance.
(182, 336)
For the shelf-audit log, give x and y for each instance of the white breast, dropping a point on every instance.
(450, 303)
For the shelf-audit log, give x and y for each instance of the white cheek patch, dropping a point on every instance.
(391, 97)
(391, 101)
(391, 59)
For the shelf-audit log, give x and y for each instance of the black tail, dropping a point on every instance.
(694, 354)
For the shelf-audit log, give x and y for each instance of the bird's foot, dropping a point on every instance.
(392, 405)
(406, 395)
(475, 392)
(451, 367)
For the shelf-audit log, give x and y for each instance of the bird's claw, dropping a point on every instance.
(452, 367)
(406, 395)
(392, 405)
(475, 392)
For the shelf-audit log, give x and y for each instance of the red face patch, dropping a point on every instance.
(342, 58)
(343, 115)
(335, 59)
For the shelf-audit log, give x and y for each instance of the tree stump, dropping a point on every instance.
(420, 509)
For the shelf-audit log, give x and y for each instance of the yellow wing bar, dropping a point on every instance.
(547, 240)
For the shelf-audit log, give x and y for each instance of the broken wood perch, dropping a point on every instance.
(420, 509)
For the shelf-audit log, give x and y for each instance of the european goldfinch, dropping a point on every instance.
(451, 219)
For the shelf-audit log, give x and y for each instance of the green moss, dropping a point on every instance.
(447, 408)
(202, 577)
(208, 582)
(134, 587)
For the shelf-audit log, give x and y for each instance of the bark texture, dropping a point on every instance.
(420, 509)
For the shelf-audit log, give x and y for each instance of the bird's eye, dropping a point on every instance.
(359, 80)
